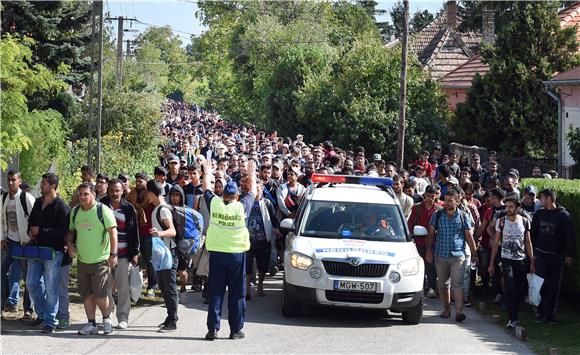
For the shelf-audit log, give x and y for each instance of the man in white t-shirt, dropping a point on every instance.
(513, 232)
(15, 206)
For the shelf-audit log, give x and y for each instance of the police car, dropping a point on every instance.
(349, 246)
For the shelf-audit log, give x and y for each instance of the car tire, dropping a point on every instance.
(290, 307)
(414, 315)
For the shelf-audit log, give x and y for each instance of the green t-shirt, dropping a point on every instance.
(93, 244)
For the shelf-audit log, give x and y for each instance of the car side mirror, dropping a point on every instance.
(287, 224)
(420, 231)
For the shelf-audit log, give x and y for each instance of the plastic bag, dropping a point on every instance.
(534, 285)
(135, 282)
(161, 257)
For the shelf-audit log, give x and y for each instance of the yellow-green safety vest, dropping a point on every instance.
(227, 232)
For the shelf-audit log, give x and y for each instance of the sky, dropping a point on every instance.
(180, 14)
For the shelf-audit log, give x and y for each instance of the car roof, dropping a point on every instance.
(352, 193)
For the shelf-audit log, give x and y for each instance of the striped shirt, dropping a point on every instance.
(122, 239)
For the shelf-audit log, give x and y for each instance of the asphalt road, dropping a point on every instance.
(320, 330)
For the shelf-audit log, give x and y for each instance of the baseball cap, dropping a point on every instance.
(376, 157)
(173, 158)
(296, 171)
(231, 188)
(298, 136)
(221, 146)
(453, 180)
(531, 190)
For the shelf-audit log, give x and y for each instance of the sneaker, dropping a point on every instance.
(169, 327)
(431, 293)
(88, 329)
(62, 324)
(47, 329)
(460, 317)
(211, 334)
(512, 324)
(122, 325)
(237, 335)
(151, 293)
(107, 326)
(273, 270)
(182, 289)
(468, 303)
(196, 287)
(498, 298)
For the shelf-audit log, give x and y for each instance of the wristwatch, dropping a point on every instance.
(113, 254)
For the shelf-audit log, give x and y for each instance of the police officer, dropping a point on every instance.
(227, 241)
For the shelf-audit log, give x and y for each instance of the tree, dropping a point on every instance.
(60, 30)
(508, 109)
(574, 143)
(20, 78)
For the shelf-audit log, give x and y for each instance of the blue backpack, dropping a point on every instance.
(188, 224)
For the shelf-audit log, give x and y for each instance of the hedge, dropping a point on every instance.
(568, 195)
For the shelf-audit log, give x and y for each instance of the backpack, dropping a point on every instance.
(99, 216)
(22, 201)
(440, 212)
(188, 225)
(525, 220)
(419, 212)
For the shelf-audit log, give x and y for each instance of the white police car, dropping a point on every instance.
(349, 246)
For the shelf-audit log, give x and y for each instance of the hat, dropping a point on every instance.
(453, 180)
(530, 190)
(183, 158)
(437, 147)
(278, 164)
(173, 158)
(221, 146)
(298, 136)
(376, 157)
(231, 188)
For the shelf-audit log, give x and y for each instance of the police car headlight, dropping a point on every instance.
(409, 267)
(300, 261)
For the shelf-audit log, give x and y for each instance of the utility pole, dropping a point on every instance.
(100, 87)
(403, 96)
(120, 30)
(120, 51)
(91, 121)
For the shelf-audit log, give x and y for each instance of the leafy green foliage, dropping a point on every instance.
(574, 143)
(60, 30)
(20, 78)
(314, 68)
(508, 109)
(568, 195)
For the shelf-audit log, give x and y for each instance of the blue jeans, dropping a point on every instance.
(63, 297)
(45, 298)
(12, 272)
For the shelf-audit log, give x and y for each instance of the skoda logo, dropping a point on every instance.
(355, 261)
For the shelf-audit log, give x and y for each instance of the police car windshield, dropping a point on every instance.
(353, 220)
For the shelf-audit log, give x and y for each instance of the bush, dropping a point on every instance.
(568, 195)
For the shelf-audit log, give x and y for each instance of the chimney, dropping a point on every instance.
(488, 26)
(451, 12)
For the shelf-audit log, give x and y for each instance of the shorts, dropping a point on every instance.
(262, 255)
(182, 262)
(452, 267)
(94, 279)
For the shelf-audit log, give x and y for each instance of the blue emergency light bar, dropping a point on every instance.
(349, 179)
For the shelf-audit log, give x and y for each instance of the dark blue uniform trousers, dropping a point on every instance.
(227, 269)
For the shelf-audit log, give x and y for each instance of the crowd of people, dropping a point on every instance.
(485, 229)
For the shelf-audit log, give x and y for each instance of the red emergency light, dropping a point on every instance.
(349, 179)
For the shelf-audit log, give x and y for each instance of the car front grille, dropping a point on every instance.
(354, 297)
(337, 268)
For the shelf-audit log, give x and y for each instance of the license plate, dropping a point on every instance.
(355, 286)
